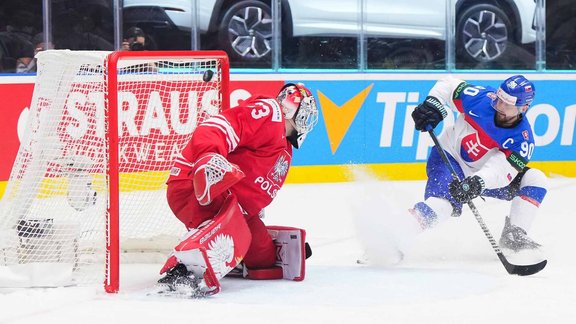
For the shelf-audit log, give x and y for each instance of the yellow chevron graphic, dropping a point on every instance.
(339, 118)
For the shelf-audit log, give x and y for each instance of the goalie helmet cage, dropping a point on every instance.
(89, 179)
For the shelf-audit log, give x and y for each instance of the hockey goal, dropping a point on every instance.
(88, 182)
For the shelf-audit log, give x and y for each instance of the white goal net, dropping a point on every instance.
(89, 178)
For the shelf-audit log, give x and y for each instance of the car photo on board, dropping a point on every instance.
(485, 29)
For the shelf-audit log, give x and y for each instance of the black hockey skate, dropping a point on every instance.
(515, 238)
(178, 281)
(237, 272)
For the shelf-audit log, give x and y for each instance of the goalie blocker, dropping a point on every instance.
(218, 245)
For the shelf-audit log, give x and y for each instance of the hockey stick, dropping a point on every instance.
(521, 270)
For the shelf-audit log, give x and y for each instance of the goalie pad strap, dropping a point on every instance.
(213, 175)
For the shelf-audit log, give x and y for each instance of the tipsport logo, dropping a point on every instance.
(387, 116)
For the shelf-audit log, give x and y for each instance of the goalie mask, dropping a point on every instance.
(299, 108)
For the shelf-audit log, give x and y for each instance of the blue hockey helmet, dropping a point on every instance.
(517, 91)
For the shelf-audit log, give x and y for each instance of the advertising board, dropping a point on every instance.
(364, 120)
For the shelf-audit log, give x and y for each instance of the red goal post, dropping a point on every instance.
(89, 179)
(219, 65)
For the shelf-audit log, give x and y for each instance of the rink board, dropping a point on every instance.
(364, 120)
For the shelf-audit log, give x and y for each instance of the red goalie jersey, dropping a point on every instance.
(252, 136)
(232, 168)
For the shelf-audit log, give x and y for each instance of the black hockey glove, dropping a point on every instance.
(430, 112)
(467, 189)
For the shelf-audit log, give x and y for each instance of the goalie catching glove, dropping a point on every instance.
(213, 175)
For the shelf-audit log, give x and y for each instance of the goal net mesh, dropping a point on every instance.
(53, 215)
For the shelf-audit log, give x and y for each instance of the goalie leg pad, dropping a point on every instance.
(291, 251)
(291, 254)
(213, 175)
(265, 274)
(215, 247)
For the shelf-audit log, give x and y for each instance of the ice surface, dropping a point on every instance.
(450, 274)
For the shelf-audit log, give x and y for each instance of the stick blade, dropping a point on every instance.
(522, 270)
(528, 269)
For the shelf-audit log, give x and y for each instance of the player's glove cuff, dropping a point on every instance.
(430, 112)
(434, 102)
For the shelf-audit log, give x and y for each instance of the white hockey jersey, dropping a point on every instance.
(482, 148)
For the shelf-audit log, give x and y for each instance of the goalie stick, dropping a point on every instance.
(520, 270)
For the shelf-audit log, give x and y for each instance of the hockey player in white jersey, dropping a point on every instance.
(489, 146)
